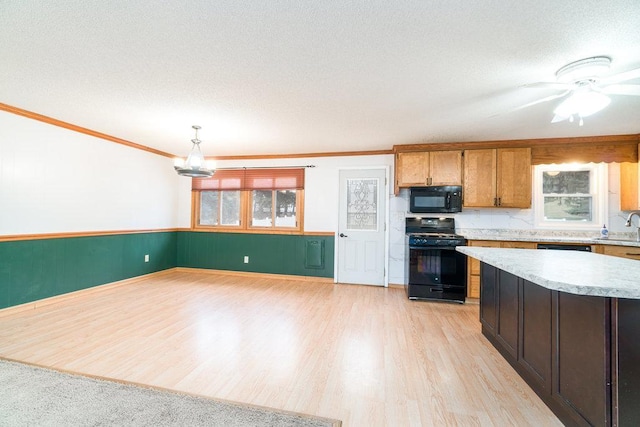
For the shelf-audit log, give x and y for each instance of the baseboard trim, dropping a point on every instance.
(253, 274)
(75, 294)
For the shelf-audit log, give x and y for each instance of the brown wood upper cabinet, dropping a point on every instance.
(629, 192)
(497, 178)
(414, 169)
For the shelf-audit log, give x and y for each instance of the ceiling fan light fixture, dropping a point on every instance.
(584, 69)
(586, 84)
(582, 104)
(195, 165)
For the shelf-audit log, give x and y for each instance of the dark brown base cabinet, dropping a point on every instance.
(580, 354)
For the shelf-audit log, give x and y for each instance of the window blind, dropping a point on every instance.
(221, 180)
(274, 179)
(252, 179)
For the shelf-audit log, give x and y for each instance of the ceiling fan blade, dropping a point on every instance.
(632, 90)
(540, 101)
(557, 118)
(550, 85)
(621, 77)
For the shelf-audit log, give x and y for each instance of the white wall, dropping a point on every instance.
(53, 180)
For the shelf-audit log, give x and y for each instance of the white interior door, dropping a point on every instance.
(361, 237)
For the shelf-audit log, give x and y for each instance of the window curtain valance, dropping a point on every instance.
(623, 151)
(252, 179)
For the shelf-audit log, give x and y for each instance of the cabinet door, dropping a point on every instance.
(581, 368)
(519, 245)
(445, 167)
(630, 252)
(508, 319)
(479, 178)
(488, 303)
(627, 356)
(513, 179)
(535, 333)
(629, 200)
(412, 169)
(473, 268)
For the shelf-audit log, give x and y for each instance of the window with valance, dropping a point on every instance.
(259, 200)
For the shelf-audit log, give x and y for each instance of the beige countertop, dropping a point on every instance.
(622, 239)
(576, 272)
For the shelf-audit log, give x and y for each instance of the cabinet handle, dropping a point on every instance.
(632, 254)
(495, 201)
(499, 201)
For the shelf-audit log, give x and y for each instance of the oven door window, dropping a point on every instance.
(436, 266)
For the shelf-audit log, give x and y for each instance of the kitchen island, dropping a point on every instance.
(569, 323)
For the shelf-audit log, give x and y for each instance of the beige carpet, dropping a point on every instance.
(34, 396)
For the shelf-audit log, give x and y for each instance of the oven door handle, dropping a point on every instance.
(444, 248)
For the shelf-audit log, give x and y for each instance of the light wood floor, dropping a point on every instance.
(365, 355)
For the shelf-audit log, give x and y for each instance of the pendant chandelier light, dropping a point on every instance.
(195, 165)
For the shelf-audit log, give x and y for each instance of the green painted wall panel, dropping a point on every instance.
(268, 253)
(5, 268)
(35, 269)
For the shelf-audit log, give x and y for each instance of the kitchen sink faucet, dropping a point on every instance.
(628, 223)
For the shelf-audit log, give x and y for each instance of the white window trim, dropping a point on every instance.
(599, 190)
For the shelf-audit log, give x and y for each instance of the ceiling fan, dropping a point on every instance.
(585, 88)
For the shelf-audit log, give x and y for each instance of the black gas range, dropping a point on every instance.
(434, 269)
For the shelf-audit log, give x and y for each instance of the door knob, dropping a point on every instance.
(343, 235)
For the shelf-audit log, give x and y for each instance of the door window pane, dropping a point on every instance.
(362, 204)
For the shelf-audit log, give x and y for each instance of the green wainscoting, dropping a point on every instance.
(268, 253)
(35, 269)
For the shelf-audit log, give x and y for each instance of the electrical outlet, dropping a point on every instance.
(146, 258)
(246, 259)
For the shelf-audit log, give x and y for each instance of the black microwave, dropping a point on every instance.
(436, 199)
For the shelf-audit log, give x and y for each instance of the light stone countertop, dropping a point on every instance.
(575, 272)
(622, 240)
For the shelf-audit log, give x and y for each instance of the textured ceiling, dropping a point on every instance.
(282, 77)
